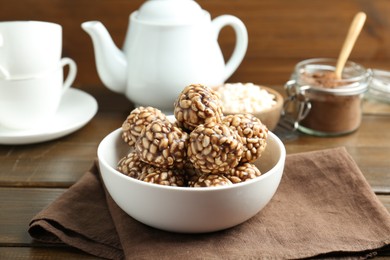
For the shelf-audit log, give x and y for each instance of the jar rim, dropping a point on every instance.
(348, 86)
(380, 80)
(379, 88)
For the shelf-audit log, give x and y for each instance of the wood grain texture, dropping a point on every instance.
(16, 213)
(61, 162)
(43, 252)
(281, 33)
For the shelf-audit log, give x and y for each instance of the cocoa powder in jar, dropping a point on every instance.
(325, 104)
(333, 114)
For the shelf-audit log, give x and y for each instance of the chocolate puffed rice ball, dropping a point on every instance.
(137, 120)
(253, 134)
(131, 165)
(211, 180)
(197, 104)
(243, 172)
(163, 145)
(214, 148)
(168, 177)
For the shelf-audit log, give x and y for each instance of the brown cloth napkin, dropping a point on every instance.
(323, 206)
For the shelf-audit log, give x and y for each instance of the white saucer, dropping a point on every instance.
(76, 109)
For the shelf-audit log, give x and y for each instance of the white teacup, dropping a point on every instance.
(28, 48)
(29, 103)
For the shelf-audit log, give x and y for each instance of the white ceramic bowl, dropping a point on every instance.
(190, 210)
(270, 116)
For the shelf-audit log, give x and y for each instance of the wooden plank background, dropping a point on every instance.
(281, 32)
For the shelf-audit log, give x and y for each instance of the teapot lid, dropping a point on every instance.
(169, 11)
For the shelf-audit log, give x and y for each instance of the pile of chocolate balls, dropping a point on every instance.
(199, 147)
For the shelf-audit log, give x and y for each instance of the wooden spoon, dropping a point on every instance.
(353, 33)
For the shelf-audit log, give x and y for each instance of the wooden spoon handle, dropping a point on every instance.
(353, 33)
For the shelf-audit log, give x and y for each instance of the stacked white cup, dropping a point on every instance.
(31, 73)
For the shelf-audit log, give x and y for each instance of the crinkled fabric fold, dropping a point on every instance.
(323, 207)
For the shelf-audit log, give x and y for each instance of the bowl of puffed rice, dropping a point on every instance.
(195, 171)
(263, 102)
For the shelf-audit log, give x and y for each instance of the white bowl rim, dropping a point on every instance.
(279, 164)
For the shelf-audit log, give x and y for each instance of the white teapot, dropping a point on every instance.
(169, 45)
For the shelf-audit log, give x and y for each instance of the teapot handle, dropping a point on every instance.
(241, 41)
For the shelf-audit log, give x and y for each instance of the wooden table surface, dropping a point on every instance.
(281, 33)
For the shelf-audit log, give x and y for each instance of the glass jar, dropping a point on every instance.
(379, 89)
(323, 105)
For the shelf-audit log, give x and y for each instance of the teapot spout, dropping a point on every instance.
(110, 60)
